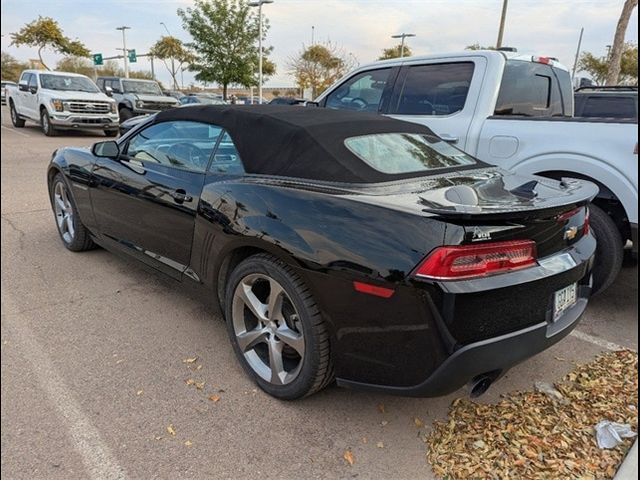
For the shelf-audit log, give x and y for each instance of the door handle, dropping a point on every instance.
(449, 138)
(180, 196)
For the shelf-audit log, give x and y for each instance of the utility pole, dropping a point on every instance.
(173, 65)
(503, 20)
(125, 52)
(403, 36)
(313, 31)
(259, 4)
(575, 63)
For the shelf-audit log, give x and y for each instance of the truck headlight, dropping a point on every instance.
(58, 105)
(139, 104)
(114, 107)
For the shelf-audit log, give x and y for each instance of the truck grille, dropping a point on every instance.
(158, 105)
(89, 107)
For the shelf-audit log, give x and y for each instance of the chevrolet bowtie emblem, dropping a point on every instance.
(570, 233)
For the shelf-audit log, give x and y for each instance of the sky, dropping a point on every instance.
(361, 27)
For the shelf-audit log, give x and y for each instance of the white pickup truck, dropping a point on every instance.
(61, 101)
(514, 111)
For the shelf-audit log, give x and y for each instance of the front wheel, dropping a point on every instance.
(125, 114)
(609, 249)
(73, 233)
(45, 123)
(15, 118)
(276, 328)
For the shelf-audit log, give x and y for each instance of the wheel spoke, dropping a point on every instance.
(250, 339)
(60, 203)
(274, 303)
(291, 338)
(276, 364)
(251, 301)
(70, 228)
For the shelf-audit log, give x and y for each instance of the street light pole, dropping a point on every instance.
(503, 20)
(173, 66)
(259, 4)
(403, 36)
(124, 50)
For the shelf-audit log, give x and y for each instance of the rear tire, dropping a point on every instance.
(73, 233)
(45, 123)
(609, 250)
(15, 118)
(285, 351)
(125, 114)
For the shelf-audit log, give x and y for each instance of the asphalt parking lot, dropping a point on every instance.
(93, 369)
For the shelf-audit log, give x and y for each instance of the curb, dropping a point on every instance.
(629, 468)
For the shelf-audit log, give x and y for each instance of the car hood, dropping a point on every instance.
(76, 95)
(480, 192)
(157, 98)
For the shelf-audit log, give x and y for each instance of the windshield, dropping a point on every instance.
(151, 88)
(395, 153)
(211, 101)
(67, 83)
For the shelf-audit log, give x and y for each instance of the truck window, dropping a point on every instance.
(608, 106)
(435, 89)
(532, 90)
(100, 83)
(362, 92)
(33, 81)
(25, 77)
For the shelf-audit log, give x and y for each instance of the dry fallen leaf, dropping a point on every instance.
(380, 445)
(419, 423)
(188, 443)
(214, 398)
(199, 385)
(383, 423)
(139, 392)
(190, 381)
(381, 408)
(190, 360)
(171, 430)
(348, 456)
(199, 367)
(364, 440)
(158, 438)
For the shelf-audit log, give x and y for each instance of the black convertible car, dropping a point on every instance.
(339, 244)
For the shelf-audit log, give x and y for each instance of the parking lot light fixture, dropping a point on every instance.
(403, 36)
(259, 4)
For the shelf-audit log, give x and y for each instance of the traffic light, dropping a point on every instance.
(97, 59)
(133, 58)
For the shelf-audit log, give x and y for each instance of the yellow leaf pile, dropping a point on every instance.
(528, 435)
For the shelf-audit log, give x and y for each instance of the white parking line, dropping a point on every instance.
(16, 131)
(598, 341)
(96, 456)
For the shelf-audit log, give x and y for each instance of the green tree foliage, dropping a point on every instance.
(319, 65)
(477, 46)
(173, 53)
(225, 42)
(11, 67)
(598, 67)
(46, 33)
(395, 52)
(76, 65)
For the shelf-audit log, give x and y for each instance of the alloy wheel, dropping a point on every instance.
(267, 328)
(64, 212)
(45, 122)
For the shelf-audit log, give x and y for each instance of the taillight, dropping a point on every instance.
(586, 226)
(467, 261)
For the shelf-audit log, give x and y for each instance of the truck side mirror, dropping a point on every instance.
(23, 87)
(108, 91)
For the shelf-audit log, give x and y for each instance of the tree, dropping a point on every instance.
(46, 33)
(11, 68)
(395, 52)
(598, 67)
(618, 47)
(225, 36)
(172, 49)
(319, 65)
(477, 46)
(141, 74)
(76, 65)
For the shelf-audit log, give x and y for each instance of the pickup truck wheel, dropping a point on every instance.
(45, 123)
(15, 118)
(111, 133)
(125, 114)
(73, 233)
(609, 250)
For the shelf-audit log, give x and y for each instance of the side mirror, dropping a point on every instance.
(108, 91)
(23, 87)
(108, 149)
(33, 89)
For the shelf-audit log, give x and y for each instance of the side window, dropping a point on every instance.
(178, 144)
(529, 89)
(226, 159)
(363, 92)
(100, 84)
(33, 81)
(25, 78)
(436, 89)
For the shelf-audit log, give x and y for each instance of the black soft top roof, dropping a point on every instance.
(301, 142)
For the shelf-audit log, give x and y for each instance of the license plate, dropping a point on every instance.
(564, 299)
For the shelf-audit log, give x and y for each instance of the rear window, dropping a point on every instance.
(534, 90)
(606, 106)
(397, 153)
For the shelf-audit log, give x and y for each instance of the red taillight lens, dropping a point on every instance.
(586, 227)
(457, 262)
